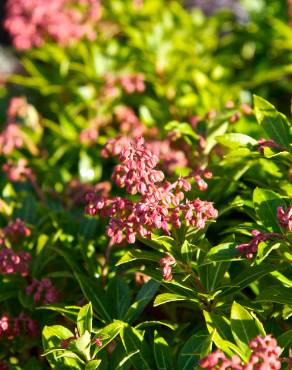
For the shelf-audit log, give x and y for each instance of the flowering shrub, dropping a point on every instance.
(145, 193)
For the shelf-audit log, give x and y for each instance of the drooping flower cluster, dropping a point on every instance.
(16, 230)
(19, 171)
(132, 83)
(43, 291)
(218, 360)
(251, 248)
(166, 264)
(265, 356)
(129, 83)
(285, 218)
(160, 203)
(31, 22)
(11, 137)
(11, 261)
(12, 327)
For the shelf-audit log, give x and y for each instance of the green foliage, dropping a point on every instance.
(117, 307)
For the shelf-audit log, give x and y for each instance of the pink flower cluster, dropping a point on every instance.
(17, 172)
(169, 159)
(166, 264)
(249, 249)
(14, 327)
(130, 83)
(12, 262)
(128, 121)
(16, 230)
(32, 22)
(43, 291)
(11, 138)
(285, 218)
(160, 203)
(264, 356)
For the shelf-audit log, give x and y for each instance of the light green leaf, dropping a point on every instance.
(196, 347)
(274, 123)
(84, 319)
(133, 340)
(235, 140)
(162, 353)
(169, 297)
(266, 203)
(243, 327)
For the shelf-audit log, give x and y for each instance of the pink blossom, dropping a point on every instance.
(32, 22)
(11, 327)
(264, 356)
(285, 218)
(43, 291)
(16, 230)
(12, 262)
(218, 360)
(132, 83)
(166, 264)
(17, 172)
(251, 248)
(128, 121)
(98, 342)
(11, 138)
(159, 204)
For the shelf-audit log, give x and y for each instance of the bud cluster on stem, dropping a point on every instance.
(160, 204)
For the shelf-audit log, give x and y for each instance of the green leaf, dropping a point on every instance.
(277, 294)
(137, 254)
(274, 123)
(162, 353)
(235, 140)
(108, 333)
(169, 297)
(51, 338)
(92, 365)
(71, 312)
(285, 339)
(95, 295)
(196, 347)
(118, 293)
(133, 341)
(82, 345)
(223, 252)
(266, 203)
(84, 319)
(144, 296)
(248, 276)
(219, 326)
(243, 326)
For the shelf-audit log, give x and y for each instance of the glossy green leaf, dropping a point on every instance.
(243, 326)
(162, 353)
(196, 347)
(84, 319)
(266, 203)
(274, 123)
